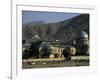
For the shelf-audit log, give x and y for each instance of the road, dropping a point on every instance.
(56, 62)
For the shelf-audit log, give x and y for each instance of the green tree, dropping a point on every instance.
(66, 53)
(45, 51)
(34, 48)
(28, 33)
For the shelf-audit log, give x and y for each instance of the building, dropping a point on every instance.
(54, 46)
(57, 48)
(82, 43)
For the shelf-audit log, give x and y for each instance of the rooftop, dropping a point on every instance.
(82, 34)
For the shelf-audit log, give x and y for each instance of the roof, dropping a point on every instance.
(69, 46)
(26, 45)
(49, 45)
(82, 34)
(45, 44)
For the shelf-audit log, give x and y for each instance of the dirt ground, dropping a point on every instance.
(55, 64)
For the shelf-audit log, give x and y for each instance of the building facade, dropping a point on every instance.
(82, 43)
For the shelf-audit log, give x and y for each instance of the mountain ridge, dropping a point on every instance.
(64, 31)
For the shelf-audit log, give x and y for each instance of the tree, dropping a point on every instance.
(84, 49)
(26, 54)
(45, 51)
(66, 53)
(27, 32)
(23, 41)
(34, 48)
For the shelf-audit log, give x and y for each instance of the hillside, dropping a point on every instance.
(64, 30)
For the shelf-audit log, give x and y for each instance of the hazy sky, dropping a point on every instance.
(48, 17)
